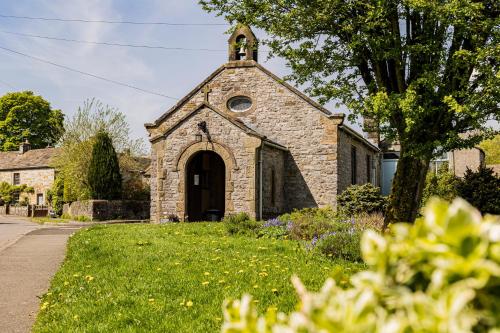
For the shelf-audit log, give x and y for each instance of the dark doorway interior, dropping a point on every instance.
(205, 187)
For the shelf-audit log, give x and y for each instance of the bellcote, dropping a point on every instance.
(243, 44)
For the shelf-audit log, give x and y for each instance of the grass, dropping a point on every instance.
(172, 278)
(43, 220)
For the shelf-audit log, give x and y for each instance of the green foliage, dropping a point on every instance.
(442, 184)
(357, 199)
(240, 224)
(55, 195)
(439, 275)
(77, 142)
(492, 150)
(307, 223)
(8, 192)
(171, 278)
(423, 73)
(104, 178)
(343, 243)
(481, 189)
(24, 116)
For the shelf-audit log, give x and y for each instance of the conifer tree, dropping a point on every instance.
(104, 178)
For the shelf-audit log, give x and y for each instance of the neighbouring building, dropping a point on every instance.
(245, 141)
(29, 167)
(457, 162)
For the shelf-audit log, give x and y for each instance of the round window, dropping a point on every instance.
(239, 104)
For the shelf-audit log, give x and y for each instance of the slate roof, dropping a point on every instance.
(32, 159)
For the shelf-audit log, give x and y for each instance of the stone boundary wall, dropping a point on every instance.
(24, 211)
(102, 210)
(3, 210)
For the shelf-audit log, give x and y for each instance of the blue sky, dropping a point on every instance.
(173, 73)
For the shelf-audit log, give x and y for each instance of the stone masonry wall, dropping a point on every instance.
(346, 142)
(311, 177)
(462, 159)
(40, 179)
(170, 155)
(108, 209)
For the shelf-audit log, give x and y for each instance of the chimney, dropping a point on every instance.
(24, 147)
(371, 127)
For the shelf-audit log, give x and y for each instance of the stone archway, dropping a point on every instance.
(181, 164)
(205, 187)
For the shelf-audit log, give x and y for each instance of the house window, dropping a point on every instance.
(39, 199)
(16, 197)
(439, 162)
(16, 179)
(368, 168)
(354, 163)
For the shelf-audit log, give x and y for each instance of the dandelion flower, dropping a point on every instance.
(189, 304)
(89, 278)
(206, 273)
(151, 300)
(274, 290)
(256, 286)
(66, 283)
(205, 283)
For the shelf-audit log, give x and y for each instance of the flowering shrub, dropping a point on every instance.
(440, 275)
(342, 244)
(274, 228)
(307, 223)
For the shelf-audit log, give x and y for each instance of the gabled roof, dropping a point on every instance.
(359, 137)
(236, 122)
(243, 64)
(32, 159)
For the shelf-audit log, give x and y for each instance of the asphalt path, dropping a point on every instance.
(30, 255)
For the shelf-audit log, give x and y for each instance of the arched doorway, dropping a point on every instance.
(205, 187)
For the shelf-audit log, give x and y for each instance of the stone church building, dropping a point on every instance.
(246, 141)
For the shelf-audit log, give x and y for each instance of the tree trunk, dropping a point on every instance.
(407, 189)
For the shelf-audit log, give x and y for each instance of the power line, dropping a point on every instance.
(87, 74)
(109, 21)
(111, 43)
(7, 84)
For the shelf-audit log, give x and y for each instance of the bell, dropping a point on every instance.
(242, 51)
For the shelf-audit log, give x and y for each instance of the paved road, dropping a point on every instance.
(12, 228)
(26, 268)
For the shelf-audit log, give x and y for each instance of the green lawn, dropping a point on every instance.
(172, 278)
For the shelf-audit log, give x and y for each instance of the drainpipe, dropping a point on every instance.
(260, 178)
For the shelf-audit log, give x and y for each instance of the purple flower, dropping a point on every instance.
(273, 223)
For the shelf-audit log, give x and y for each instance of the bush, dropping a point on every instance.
(343, 244)
(307, 223)
(481, 189)
(441, 274)
(357, 199)
(240, 224)
(442, 184)
(55, 195)
(273, 228)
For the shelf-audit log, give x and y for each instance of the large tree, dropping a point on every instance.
(25, 116)
(424, 73)
(79, 137)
